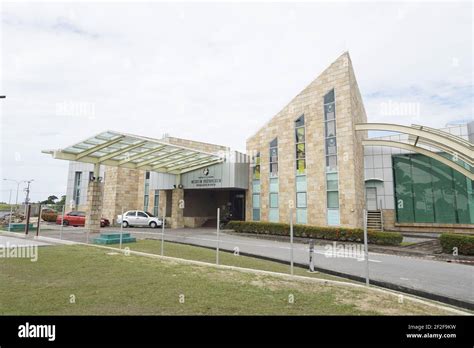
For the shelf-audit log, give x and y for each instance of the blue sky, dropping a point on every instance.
(213, 72)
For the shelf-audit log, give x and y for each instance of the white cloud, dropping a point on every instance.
(213, 72)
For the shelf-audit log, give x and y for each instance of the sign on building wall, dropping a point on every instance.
(206, 179)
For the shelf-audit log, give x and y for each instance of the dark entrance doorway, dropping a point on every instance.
(237, 208)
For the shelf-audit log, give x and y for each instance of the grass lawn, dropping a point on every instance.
(189, 252)
(104, 282)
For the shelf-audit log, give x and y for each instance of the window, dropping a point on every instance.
(273, 214)
(77, 188)
(274, 157)
(156, 202)
(256, 166)
(300, 145)
(332, 182)
(429, 191)
(333, 199)
(131, 213)
(330, 147)
(273, 200)
(141, 214)
(301, 200)
(256, 188)
(146, 197)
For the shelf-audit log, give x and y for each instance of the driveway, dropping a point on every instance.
(442, 278)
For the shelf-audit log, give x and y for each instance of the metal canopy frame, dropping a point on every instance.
(461, 150)
(136, 152)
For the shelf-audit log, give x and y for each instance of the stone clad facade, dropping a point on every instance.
(349, 110)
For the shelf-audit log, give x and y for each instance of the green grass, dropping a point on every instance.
(189, 252)
(125, 285)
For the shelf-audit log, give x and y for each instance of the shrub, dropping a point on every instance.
(49, 216)
(464, 243)
(306, 231)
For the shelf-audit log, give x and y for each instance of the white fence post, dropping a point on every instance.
(218, 223)
(366, 250)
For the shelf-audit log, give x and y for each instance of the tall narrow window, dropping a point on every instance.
(77, 188)
(273, 213)
(330, 145)
(300, 145)
(146, 197)
(156, 203)
(301, 196)
(256, 188)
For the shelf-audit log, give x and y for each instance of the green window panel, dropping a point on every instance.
(333, 217)
(301, 183)
(273, 215)
(256, 214)
(156, 200)
(429, 191)
(301, 216)
(462, 198)
(256, 201)
(333, 199)
(256, 186)
(403, 189)
(301, 200)
(332, 182)
(422, 189)
(273, 200)
(443, 193)
(273, 185)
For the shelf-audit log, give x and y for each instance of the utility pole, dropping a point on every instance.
(27, 199)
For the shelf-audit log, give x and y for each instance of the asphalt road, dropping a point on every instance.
(442, 278)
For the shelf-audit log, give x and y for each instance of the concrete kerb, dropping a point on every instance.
(262, 272)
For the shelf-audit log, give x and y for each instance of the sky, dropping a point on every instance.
(213, 72)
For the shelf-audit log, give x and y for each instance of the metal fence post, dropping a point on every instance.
(28, 212)
(39, 220)
(291, 240)
(10, 219)
(366, 250)
(62, 222)
(121, 230)
(218, 223)
(163, 230)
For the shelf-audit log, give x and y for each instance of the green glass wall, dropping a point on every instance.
(429, 191)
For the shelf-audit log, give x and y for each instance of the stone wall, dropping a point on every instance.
(349, 111)
(94, 201)
(197, 145)
(121, 191)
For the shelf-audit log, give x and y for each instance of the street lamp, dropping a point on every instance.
(17, 187)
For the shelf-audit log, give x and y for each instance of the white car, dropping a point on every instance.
(138, 218)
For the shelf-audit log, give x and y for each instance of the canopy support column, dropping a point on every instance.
(94, 202)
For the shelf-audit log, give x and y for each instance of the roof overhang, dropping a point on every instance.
(136, 152)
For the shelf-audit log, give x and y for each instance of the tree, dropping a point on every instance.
(51, 200)
(62, 201)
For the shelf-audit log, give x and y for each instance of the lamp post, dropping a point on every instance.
(17, 187)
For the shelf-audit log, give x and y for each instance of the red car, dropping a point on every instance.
(78, 218)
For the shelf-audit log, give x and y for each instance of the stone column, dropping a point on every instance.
(94, 206)
(177, 208)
